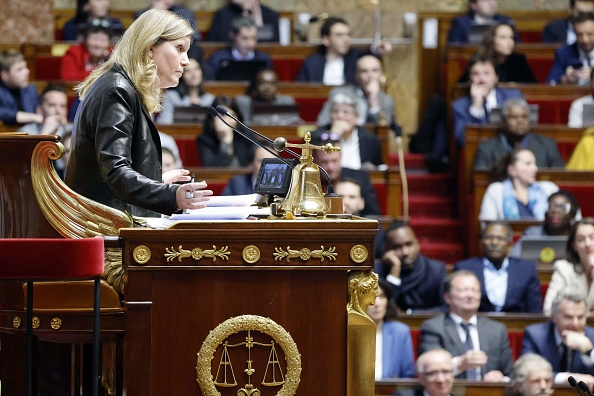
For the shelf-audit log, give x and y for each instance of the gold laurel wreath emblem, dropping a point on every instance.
(244, 323)
(305, 254)
(197, 253)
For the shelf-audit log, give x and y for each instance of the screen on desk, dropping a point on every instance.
(189, 114)
(235, 70)
(274, 178)
(275, 114)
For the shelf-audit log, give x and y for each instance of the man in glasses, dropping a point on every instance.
(436, 374)
(507, 284)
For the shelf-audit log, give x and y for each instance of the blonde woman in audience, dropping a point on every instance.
(190, 91)
(518, 195)
(576, 271)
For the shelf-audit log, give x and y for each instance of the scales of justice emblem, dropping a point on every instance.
(276, 373)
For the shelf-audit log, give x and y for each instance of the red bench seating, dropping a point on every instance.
(47, 67)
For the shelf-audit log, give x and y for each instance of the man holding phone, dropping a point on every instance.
(573, 63)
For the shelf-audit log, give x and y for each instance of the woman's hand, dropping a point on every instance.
(176, 175)
(192, 195)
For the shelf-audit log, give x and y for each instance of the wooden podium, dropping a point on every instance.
(185, 281)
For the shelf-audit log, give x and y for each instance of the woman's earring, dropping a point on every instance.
(151, 54)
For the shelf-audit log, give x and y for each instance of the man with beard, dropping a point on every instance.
(417, 281)
(532, 376)
(507, 284)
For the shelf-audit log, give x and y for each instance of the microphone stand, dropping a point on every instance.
(574, 384)
(582, 385)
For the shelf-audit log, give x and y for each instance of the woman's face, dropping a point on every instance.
(223, 130)
(98, 44)
(193, 74)
(377, 312)
(559, 212)
(503, 42)
(524, 169)
(583, 244)
(97, 8)
(170, 57)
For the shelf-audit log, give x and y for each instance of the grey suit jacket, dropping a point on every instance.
(386, 106)
(440, 332)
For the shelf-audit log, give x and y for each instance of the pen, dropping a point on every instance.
(190, 194)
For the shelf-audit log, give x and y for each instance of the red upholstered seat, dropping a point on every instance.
(47, 67)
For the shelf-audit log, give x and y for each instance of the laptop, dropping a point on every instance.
(588, 115)
(275, 114)
(477, 32)
(543, 249)
(495, 115)
(235, 70)
(189, 114)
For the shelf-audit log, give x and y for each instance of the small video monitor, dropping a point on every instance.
(274, 178)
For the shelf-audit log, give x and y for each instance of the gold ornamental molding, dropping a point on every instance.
(197, 253)
(141, 254)
(359, 254)
(248, 323)
(251, 254)
(305, 254)
(36, 322)
(16, 322)
(56, 323)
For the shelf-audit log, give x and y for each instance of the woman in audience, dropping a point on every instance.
(394, 357)
(190, 91)
(577, 270)
(81, 59)
(518, 195)
(219, 144)
(88, 10)
(499, 44)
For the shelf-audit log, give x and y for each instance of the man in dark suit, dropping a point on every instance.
(561, 30)
(266, 19)
(243, 48)
(515, 133)
(483, 96)
(573, 63)
(244, 184)
(416, 281)
(480, 12)
(565, 341)
(507, 284)
(18, 98)
(480, 346)
(436, 374)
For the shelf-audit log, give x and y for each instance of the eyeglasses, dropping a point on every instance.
(434, 374)
(565, 208)
(329, 136)
(98, 22)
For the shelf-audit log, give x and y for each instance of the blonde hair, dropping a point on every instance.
(132, 53)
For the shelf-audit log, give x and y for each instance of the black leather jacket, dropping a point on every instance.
(116, 151)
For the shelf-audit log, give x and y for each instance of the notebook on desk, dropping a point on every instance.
(189, 114)
(495, 115)
(235, 70)
(275, 114)
(477, 32)
(543, 249)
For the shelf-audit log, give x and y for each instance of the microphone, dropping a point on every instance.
(582, 385)
(213, 112)
(279, 143)
(574, 384)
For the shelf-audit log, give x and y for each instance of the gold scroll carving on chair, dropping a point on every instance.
(225, 375)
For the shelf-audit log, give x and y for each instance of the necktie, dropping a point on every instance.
(563, 364)
(471, 374)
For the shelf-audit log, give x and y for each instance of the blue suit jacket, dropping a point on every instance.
(370, 147)
(9, 106)
(397, 351)
(460, 28)
(523, 287)
(462, 115)
(220, 56)
(564, 57)
(239, 185)
(555, 31)
(312, 69)
(540, 338)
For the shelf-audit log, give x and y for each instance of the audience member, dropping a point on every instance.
(169, 143)
(61, 164)
(559, 218)
(481, 351)
(573, 63)
(436, 374)
(576, 271)
(220, 145)
(361, 148)
(263, 89)
(52, 107)
(514, 132)
(244, 184)
(265, 18)
(243, 47)
(168, 160)
(499, 45)
(561, 30)
(171, 5)
(507, 284)
(518, 195)
(373, 105)
(483, 96)
(565, 341)
(582, 157)
(336, 61)
(532, 376)
(417, 281)
(394, 357)
(331, 162)
(18, 98)
(81, 59)
(576, 110)
(189, 92)
(88, 10)
(480, 12)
